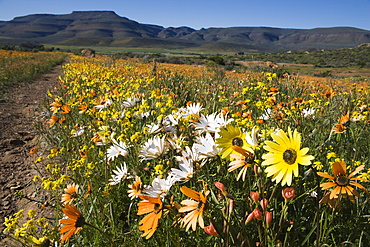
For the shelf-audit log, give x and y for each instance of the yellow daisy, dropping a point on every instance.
(284, 156)
(231, 136)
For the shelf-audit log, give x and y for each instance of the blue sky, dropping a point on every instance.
(210, 13)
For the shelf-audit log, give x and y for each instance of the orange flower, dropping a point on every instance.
(339, 128)
(66, 109)
(53, 120)
(224, 110)
(83, 154)
(195, 208)
(342, 182)
(153, 206)
(243, 159)
(255, 196)
(55, 106)
(73, 224)
(273, 91)
(83, 108)
(88, 192)
(329, 93)
(268, 218)
(344, 119)
(70, 193)
(136, 188)
(33, 151)
(333, 202)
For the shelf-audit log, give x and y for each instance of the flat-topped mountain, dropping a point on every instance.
(106, 28)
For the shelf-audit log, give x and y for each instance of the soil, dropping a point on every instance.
(19, 107)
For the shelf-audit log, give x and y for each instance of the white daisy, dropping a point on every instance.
(153, 128)
(194, 108)
(186, 170)
(117, 149)
(208, 123)
(106, 104)
(176, 142)
(120, 174)
(308, 112)
(77, 132)
(206, 147)
(170, 120)
(142, 115)
(153, 148)
(222, 120)
(130, 102)
(266, 115)
(252, 138)
(160, 187)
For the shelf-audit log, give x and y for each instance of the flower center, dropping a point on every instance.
(237, 141)
(200, 206)
(73, 195)
(80, 221)
(290, 156)
(157, 208)
(342, 181)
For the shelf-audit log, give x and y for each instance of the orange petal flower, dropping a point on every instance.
(33, 151)
(339, 128)
(70, 193)
(55, 106)
(195, 208)
(53, 120)
(73, 224)
(66, 109)
(341, 182)
(153, 206)
(136, 188)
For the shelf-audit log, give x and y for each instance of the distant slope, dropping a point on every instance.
(106, 28)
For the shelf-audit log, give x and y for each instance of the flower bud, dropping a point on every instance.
(255, 196)
(264, 203)
(257, 214)
(220, 186)
(288, 194)
(250, 218)
(268, 218)
(211, 230)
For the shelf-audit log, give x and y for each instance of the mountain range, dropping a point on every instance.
(106, 28)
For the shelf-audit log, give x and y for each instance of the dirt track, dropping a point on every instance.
(18, 109)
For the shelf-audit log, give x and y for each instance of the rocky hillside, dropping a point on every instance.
(106, 28)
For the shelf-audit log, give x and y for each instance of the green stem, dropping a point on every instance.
(104, 234)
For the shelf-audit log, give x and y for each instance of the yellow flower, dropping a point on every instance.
(284, 156)
(318, 165)
(231, 136)
(331, 155)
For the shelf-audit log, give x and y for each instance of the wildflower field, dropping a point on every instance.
(149, 154)
(16, 66)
